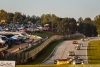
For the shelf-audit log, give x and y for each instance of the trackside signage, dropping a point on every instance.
(7, 63)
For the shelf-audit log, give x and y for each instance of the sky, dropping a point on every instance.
(61, 8)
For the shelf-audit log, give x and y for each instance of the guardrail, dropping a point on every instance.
(23, 57)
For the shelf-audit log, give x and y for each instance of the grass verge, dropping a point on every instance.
(93, 52)
(45, 34)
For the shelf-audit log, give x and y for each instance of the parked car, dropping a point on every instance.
(3, 40)
(16, 39)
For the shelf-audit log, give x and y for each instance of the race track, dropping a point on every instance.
(63, 49)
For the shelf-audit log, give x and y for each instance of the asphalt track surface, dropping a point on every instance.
(63, 49)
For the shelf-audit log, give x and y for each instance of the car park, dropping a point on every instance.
(74, 42)
(71, 53)
(16, 39)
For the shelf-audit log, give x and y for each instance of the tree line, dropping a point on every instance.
(65, 25)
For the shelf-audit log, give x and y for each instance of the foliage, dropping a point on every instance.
(68, 25)
(97, 23)
(17, 17)
(87, 27)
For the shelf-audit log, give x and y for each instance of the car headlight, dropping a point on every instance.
(82, 63)
(73, 62)
(57, 62)
(67, 61)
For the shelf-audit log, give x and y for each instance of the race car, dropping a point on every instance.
(71, 53)
(76, 60)
(77, 47)
(85, 39)
(61, 61)
(74, 42)
(79, 44)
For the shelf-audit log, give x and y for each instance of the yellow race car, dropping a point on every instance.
(85, 39)
(62, 61)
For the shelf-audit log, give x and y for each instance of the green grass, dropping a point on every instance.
(45, 53)
(93, 52)
(45, 34)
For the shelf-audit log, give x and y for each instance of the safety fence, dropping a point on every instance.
(23, 57)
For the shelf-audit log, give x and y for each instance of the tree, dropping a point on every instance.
(87, 20)
(80, 20)
(9, 17)
(50, 19)
(97, 23)
(89, 28)
(3, 15)
(23, 18)
(17, 17)
(27, 19)
(94, 30)
(33, 19)
(68, 25)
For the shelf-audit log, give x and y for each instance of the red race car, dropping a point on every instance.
(74, 42)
